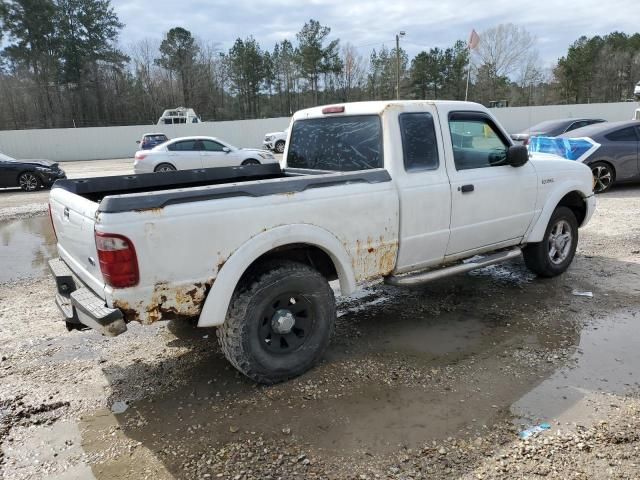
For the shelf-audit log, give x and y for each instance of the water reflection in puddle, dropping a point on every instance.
(606, 361)
(26, 246)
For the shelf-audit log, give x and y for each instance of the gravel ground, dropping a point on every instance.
(432, 382)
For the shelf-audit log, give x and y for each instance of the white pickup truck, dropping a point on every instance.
(403, 191)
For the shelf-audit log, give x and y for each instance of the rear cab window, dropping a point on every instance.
(345, 143)
(419, 144)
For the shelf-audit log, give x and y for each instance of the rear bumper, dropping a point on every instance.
(79, 305)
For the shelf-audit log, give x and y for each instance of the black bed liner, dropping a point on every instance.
(124, 193)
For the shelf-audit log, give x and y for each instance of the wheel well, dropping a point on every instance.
(576, 203)
(163, 163)
(246, 160)
(310, 255)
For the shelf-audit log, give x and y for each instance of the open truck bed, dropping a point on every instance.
(124, 193)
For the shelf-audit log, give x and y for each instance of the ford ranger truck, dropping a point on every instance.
(401, 191)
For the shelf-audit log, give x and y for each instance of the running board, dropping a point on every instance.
(430, 275)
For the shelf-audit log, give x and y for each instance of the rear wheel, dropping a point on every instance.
(603, 176)
(279, 324)
(279, 146)
(29, 182)
(251, 161)
(165, 167)
(555, 253)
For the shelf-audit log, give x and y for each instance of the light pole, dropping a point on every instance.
(398, 35)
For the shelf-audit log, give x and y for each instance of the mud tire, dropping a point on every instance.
(240, 336)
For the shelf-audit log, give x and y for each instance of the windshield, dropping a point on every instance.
(336, 143)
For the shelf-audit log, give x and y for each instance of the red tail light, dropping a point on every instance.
(52, 225)
(140, 156)
(335, 109)
(118, 261)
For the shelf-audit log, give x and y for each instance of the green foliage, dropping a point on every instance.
(316, 57)
(59, 66)
(600, 69)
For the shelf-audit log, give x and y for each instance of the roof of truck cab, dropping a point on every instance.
(377, 107)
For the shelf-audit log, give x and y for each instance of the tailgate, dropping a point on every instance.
(74, 219)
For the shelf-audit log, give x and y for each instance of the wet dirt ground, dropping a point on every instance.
(431, 382)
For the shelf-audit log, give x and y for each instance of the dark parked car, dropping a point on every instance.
(553, 128)
(618, 157)
(150, 140)
(29, 175)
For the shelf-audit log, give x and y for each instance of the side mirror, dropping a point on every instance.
(517, 155)
(226, 149)
(138, 142)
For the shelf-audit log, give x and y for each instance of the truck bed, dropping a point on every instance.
(147, 191)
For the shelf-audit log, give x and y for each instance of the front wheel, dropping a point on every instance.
(29, 182)
(279, 146)
(279, 323)
(165, 167)
(553, 255)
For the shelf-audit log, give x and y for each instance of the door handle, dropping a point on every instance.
(66, 212)
(466, 188)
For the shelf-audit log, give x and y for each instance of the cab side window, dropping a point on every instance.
(184, 146)
(476, 141)
(419, 143)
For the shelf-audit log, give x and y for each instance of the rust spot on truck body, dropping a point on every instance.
(130, 314)
(168, 303)
(374, 257)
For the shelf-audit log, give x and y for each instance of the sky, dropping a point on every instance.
(366, 25)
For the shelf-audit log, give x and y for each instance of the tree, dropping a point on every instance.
(502, 51)
(178, 53)
(353, 73)
(247, 71)
(316, 58)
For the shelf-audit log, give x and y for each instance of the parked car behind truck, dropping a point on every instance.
(186, 153)
(373, 190)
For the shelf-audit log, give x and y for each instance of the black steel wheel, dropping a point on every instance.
(279, 323)
(29, 182)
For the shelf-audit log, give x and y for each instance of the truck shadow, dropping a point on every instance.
(405, 367)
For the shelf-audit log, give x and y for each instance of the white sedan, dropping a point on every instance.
(187, 153)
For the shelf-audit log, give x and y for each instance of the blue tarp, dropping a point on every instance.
(569, 148)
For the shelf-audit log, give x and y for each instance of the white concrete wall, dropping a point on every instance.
(120, 142)
(66, 144)
(517, 119)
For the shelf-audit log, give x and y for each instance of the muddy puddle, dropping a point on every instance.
(25, 247)
(409, 369)
(606, 360)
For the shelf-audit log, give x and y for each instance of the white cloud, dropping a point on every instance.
(427, 23)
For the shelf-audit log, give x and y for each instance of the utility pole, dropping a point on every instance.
(398, 35)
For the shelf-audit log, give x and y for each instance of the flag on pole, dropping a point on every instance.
(474, 40)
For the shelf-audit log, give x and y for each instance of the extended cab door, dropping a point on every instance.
(423, 186)
(492, 202)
